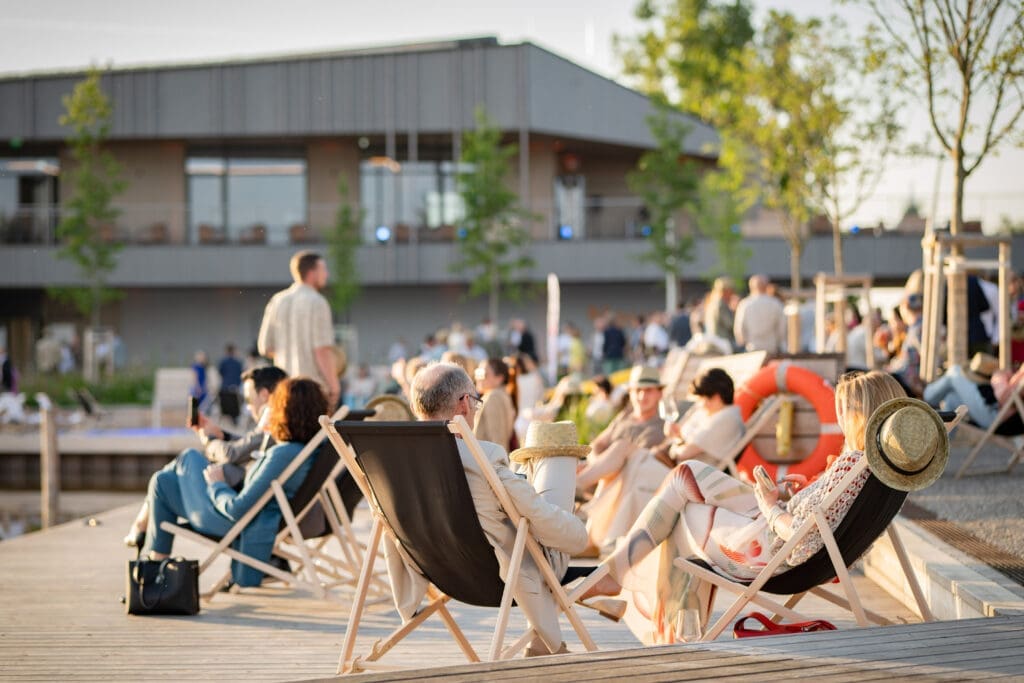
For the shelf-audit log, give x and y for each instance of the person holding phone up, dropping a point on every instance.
(702, 512)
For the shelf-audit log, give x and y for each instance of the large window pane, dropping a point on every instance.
(251, 200)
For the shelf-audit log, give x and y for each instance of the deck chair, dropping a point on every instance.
(758, 421)
(412, 475)
(1008, 423)
(870, 516)
(89, 404)
(319, 487)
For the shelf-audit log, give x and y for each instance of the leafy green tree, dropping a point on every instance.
(343, 241)
(666, 181)
(494, 240)
(87, 219)
(855, 118)
(718, 211)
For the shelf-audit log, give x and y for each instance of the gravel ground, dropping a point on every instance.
(989, 506)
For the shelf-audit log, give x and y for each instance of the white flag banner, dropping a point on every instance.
(554, 313)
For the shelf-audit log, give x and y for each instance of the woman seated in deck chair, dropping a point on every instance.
(192, 488)
(703, 512)
(632, 474)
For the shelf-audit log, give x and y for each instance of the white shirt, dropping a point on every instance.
(760, 323)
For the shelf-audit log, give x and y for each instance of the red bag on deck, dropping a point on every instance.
(739, 630)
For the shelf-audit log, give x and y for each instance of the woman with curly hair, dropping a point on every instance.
(192, 488)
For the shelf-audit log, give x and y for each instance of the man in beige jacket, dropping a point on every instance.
(440, 392)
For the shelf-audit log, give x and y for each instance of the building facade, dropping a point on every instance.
(231, 167)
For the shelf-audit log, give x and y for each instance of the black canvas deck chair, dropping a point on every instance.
(317, 571)
(870, 516)
(1008, 423)
(413, 478)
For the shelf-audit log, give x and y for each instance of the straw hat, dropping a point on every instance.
(982, 367)
(549, 439)
(389, 409)
(644, 376)
(906, 445)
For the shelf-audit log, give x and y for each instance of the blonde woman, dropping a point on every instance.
(699, 511)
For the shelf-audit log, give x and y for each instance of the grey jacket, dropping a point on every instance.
(236, 452)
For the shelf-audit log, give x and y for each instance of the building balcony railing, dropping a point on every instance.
(174, 224)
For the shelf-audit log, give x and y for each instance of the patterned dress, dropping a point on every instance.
(722, 525)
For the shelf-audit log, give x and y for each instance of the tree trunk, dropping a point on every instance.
(493, 298)
(795, 251)
(94, 312)
(956, 297)
(837, 247)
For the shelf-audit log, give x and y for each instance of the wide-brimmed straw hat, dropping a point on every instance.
(982, 367)
(906, 444)
(644, 376)
(549, 439)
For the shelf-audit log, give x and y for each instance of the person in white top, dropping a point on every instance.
(297, 333)
(760, 320)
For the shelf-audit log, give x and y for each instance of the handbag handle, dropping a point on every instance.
(771, 628)
(160, 581)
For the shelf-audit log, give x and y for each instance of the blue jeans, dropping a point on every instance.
(954, 389)
(179, 490)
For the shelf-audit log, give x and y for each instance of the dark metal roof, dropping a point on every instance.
(422, 88)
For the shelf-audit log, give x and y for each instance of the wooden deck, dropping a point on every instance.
(60, 619)
(963, 650)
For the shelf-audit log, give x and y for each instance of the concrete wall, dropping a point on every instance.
(165, 326)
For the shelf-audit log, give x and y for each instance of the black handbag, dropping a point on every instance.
(169, 586)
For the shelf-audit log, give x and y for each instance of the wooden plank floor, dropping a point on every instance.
(60, 619)
(963, 650)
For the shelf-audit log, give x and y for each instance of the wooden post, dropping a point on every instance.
(820, 309)
(1005, 357)
(49, 469)
(793, 325)
(869, 323)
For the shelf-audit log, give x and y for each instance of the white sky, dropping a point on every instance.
(67, 34)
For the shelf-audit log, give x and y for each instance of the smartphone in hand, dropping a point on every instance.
(193, 411)
(763, 478)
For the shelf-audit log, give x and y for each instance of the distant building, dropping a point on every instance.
(233, 166)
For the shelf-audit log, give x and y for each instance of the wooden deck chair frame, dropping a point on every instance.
(1015, 404)
(752, 592)
(310, 559)
(764, 413)
(524, 543)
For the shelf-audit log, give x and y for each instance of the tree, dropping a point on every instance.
(493, 240)
(718, 211)
(953, 55)
(342, 242)
(85, 228)
(855, 117)
(667, 182)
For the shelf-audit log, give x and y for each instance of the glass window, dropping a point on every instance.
(246, 199)
(28, 199)
(420, 196)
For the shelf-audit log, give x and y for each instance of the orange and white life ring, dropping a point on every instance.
(781, 377)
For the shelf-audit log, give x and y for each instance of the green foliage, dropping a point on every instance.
(342, 243)
(718, 211)
(687, 51)
(666, 181)
(493, 249)
(125, 388)
(87, 220)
